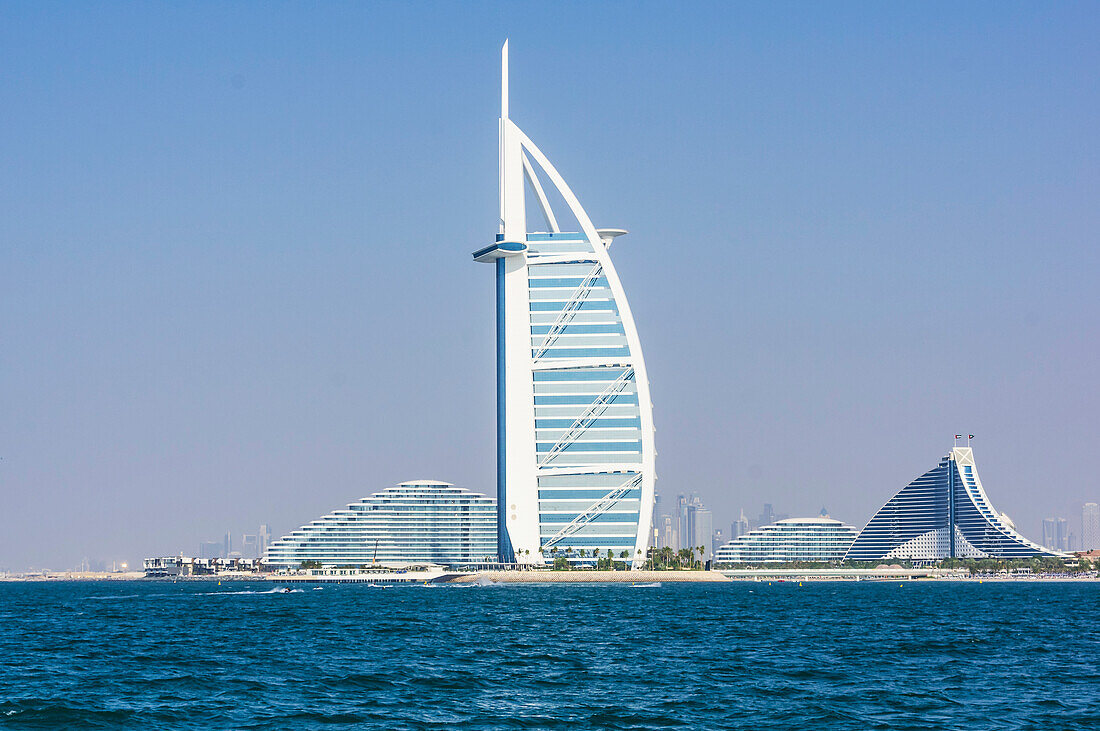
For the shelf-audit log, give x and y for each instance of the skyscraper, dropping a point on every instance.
(264, 538)
(667, 533)
(704, 531)
(211, 549)
(1054, 533)
(575, 450)
(685, 527)
(740, 526)
(1090, 526)
(767, 516)
(716, 540)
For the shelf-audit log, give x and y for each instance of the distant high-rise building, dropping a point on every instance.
(657, 521)
(685, 529)
(716, 541)
(767, 516)
(704, 531)
(1090, 526)
(211, 549)
(740, 526)
(228, 544)
(264, 539)
(1054, 533)
(249, 542)
(667, 533)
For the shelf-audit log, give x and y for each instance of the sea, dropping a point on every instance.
(745, 655)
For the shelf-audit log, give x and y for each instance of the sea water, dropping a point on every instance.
(836, 655)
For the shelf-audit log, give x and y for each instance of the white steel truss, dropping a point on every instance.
(571, 308)
(598, 508)
(593, 412)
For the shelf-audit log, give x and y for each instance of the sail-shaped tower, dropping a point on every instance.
(575, 448)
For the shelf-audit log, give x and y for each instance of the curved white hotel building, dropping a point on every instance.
(413, 523)
(794, 539)
(944, 513)
(575, 451)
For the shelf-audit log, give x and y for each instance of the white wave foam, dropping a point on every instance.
(278, 590)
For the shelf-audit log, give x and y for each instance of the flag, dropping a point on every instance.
(970, 437)
(958, 436)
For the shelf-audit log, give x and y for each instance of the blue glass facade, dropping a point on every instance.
(586, 418)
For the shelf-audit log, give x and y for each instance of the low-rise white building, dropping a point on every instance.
(793, 539)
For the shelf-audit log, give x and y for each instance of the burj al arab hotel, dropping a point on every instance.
(575, 451)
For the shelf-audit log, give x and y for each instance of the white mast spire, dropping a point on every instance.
(512, 213)
(504, 80)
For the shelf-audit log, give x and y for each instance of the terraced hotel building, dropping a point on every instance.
(944, 513)
(575, 449)
(421, 522)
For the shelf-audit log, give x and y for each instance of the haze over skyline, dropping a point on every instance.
(235, 270)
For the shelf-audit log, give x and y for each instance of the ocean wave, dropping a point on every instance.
(847, 657)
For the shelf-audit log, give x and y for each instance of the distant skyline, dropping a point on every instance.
(235, 284)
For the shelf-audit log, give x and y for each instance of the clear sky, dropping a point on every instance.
(235, 274)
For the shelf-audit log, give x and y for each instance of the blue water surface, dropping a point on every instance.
(958, 655)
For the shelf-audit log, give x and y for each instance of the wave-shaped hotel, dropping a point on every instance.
(944, 513)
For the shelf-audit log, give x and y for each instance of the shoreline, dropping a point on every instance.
(591, 577)
(601, 577)
(764, 575)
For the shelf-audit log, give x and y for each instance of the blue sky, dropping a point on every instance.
(235, 283)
